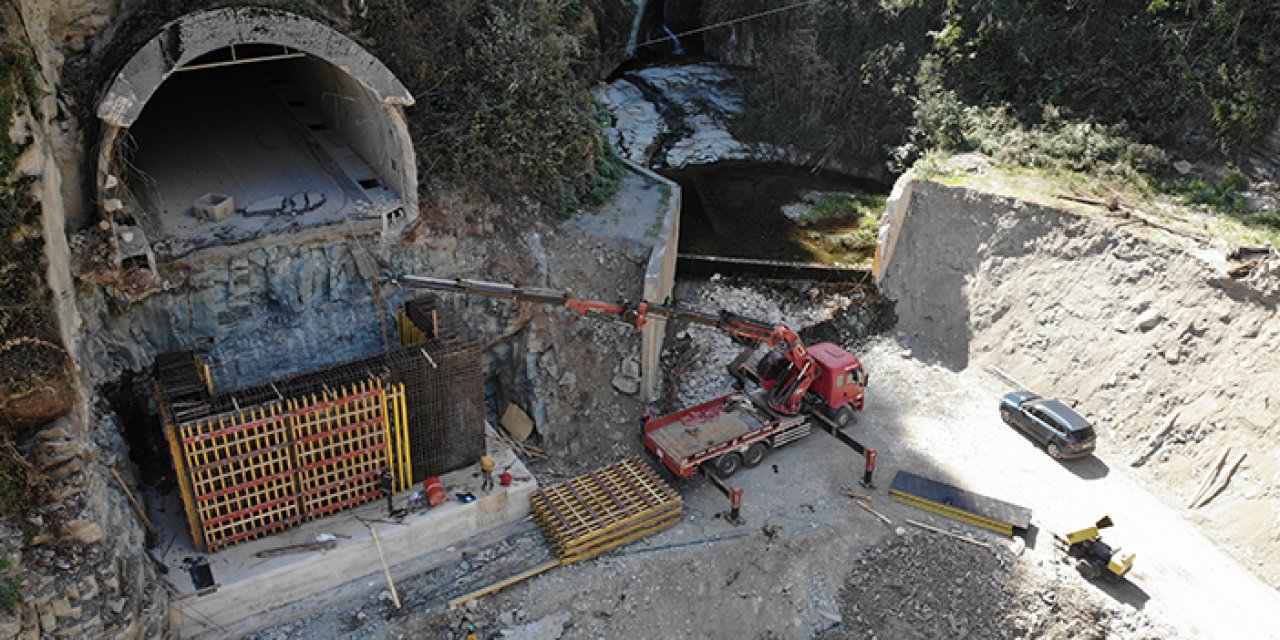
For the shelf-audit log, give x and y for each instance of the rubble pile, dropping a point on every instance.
(926, 586)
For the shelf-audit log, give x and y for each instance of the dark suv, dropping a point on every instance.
(1063, 432)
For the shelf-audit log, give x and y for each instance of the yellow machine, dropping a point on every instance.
(1095, 558)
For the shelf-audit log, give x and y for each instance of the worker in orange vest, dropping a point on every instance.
(486, 470)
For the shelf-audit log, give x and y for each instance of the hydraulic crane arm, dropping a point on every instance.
(631, 313)
(786, 391)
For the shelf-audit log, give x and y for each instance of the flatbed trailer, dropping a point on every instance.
(730, 431)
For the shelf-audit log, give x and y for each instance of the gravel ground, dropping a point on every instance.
(807, 562)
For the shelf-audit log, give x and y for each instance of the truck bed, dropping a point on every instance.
(687, 438)
(696, 431)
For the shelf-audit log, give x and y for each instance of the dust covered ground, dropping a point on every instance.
(808, 562)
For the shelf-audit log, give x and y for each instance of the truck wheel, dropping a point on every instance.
(1054, 450)
(728, 464)
(844, 417)
(754, 454)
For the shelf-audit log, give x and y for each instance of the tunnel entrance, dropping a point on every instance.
(225, 154)
(232, 125)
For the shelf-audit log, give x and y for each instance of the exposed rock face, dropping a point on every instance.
(85, 573)
(261, 313)
(1135, 329)
(675, 116)
(680, 115)
(82, 564)
(1264, 157)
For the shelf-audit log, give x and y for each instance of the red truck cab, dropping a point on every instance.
(841, 378)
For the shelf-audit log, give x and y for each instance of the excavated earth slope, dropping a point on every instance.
(1174, 360)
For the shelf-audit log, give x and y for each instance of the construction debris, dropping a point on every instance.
(865, 503)
(133, 502)
(594, 513)
(305, 547)
(973, 541)
(382, 558)
(527, 451)
(517, 423)
(1154, 442)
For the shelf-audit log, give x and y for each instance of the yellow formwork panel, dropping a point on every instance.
(254, 471)
(1003, 528)
(408, 332)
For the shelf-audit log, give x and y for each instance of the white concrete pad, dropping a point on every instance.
(253, 592)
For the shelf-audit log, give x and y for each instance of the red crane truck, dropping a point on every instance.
(775, 403)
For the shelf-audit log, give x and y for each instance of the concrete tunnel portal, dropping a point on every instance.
(240, 123)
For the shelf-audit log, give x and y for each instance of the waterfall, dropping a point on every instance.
(675, 41)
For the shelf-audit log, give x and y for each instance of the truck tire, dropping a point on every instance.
(728, 464)
(844, 417)
(754, 454)
(1054, 450)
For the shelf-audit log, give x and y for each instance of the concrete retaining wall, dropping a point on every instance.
(659, 281)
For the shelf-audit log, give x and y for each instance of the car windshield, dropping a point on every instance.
(1083, 435)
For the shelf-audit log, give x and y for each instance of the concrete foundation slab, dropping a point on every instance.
(252, 593)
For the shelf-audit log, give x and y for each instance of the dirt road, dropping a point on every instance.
(944, 424)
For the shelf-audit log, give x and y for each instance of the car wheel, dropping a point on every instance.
(1054, 450)
(728, 464)
(1004, 415)
(754, 454)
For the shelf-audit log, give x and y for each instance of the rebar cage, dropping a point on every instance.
(261, 459)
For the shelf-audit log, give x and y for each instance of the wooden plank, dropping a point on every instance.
(504, 583)
(973, 541)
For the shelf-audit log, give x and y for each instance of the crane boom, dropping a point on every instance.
(631, 313)
(787, 388)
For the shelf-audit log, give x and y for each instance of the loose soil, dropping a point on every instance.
(808, 562)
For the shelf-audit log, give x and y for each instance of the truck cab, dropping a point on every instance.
(841, 379)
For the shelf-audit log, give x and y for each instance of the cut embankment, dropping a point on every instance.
(1174, 360)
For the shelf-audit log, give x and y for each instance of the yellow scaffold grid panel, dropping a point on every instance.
(604, 509)
(240, 474)
(248, 473)
(341, 449)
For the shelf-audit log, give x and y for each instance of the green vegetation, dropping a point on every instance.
(842, 209)
(503, 87)
(1074, 88)
(840, 227)
(10, 585)
(1222, 196)
(504, 94)
(15, 496)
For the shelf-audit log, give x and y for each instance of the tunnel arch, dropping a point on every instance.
(376, 104)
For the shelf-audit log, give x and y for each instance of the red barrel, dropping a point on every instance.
(504, 479)
(435, 491)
